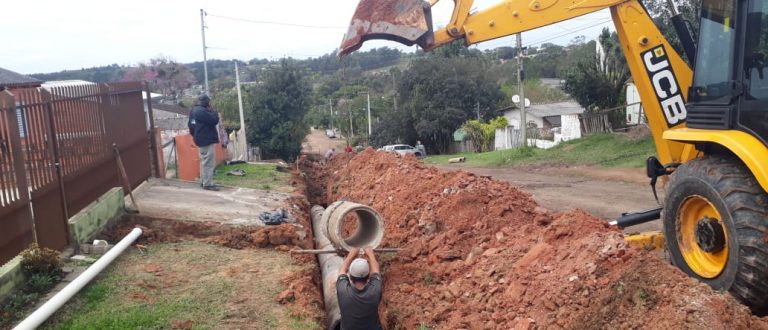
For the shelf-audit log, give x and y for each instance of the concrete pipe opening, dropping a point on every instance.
(353, 225)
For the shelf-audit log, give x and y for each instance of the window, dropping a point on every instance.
(756, 51)
(714, 61)
(753, 112)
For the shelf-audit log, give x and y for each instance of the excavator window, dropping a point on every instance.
(715, 58)
(753, 110)
(756, 51)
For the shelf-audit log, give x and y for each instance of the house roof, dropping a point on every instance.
(174, 108)
(66, 83)
(555, 109)
(9, 78)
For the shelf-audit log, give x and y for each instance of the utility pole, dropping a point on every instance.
(351, 130)
(520, 79)
(330, 108)
(242, 118)
(394, 89)
(369, 114)
(477, 108)
(205, 56)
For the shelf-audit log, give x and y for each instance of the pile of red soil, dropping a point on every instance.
(482, 254)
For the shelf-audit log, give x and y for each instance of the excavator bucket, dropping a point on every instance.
(408, 22)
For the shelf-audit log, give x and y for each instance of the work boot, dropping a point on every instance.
(211, 188)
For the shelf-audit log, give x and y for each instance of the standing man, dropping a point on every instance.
(359, 291)
(203, 123)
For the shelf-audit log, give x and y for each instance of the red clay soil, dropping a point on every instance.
(481, 254)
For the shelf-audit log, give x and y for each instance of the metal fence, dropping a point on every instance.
(57, 156)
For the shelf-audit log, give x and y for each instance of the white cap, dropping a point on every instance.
(359, 268)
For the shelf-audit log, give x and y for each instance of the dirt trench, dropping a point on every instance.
(481, 254)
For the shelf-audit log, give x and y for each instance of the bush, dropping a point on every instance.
(40, 260)
(40, 283)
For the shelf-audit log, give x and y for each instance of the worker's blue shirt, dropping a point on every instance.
(359, 307)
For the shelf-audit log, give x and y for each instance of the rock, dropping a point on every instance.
(490, 252)
(473, 254)
(573, 278)
(523, 323)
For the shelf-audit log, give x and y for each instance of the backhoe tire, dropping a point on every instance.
(721, 183)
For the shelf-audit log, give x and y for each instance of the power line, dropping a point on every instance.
(541, 41)
(278, 23)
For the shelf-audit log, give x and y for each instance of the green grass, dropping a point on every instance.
(111, 302)
(257, 176)
(608, 150)
(206, 285)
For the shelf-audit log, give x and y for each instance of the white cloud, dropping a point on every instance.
(45, 36)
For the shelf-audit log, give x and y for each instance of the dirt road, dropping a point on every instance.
(317, 143)
(603, 193)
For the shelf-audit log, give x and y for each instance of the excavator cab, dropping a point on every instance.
(732, 92)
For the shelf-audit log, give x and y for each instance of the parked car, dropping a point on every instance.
(402, 149)
(330, 133)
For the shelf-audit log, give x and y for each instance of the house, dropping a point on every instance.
(11, 80)
(557, 122)
(546, 116)
(171, 119)
(635, 115)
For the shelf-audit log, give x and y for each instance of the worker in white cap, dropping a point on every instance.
(358, 289)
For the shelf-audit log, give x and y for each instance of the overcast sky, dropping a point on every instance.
(47, 36)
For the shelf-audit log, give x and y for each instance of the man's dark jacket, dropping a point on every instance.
(204, 128)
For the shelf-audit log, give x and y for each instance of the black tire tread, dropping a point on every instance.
(747, 203)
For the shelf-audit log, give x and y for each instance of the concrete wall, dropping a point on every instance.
(11, 278)
(570, 128)
(90, 220)
(507, 138)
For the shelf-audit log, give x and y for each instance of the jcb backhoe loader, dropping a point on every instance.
(710, 125)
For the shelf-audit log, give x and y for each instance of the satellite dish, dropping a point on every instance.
(527, 102)
(516, 98)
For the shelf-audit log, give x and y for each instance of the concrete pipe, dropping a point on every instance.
(370, 225)
(329, 269)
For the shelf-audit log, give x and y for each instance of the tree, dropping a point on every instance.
(599, 80)
(437, 94)
(483, 135)
(163, 74)
(662, 16)
(276, 113)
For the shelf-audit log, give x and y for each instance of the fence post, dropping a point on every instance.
(151, 130)
(54, 143)
(17, 156)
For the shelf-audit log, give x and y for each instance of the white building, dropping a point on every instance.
(634, 114)
(558, 120)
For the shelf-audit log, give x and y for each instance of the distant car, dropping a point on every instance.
(402, 149)
(330, 133)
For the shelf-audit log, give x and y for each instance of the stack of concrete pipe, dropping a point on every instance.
(327, 225)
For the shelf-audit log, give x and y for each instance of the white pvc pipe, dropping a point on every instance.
(39, 316)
